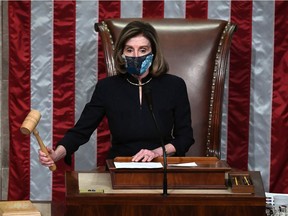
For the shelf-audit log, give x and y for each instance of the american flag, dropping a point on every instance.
(56, 58)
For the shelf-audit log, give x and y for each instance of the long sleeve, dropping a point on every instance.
(182, 131)
(90, 118)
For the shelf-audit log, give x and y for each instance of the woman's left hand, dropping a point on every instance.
(145, 155)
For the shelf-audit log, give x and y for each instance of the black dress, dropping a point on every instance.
(130, 122)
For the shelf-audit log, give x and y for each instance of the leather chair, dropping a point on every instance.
(198, 51)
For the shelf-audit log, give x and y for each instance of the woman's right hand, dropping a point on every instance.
(47, 160)
(52, 157)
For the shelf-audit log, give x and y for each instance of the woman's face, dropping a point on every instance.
(137, 46)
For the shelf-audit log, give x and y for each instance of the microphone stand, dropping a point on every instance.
(148, 95)
(165, 186)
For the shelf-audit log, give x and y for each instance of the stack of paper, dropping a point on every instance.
(140, 165)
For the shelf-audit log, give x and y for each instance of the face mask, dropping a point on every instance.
(138, 65)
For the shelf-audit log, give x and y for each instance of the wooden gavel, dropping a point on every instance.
(29, 126)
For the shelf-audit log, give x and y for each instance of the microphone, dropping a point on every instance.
(148, 96)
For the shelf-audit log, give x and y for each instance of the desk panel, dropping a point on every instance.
(138, 203)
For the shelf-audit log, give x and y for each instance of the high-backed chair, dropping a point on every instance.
(198, 51)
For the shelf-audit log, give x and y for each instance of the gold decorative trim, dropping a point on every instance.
(110, 36)
(210, 151)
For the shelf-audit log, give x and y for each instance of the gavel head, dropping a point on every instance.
(30, 122)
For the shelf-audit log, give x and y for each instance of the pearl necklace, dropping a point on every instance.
(139, 84)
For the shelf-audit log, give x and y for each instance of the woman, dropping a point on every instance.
(140, 67)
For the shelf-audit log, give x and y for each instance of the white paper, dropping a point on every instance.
(145, 165)
(190, 164)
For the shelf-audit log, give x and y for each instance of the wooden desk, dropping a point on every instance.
(194, 202)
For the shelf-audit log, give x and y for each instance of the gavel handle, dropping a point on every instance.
(43, 148)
